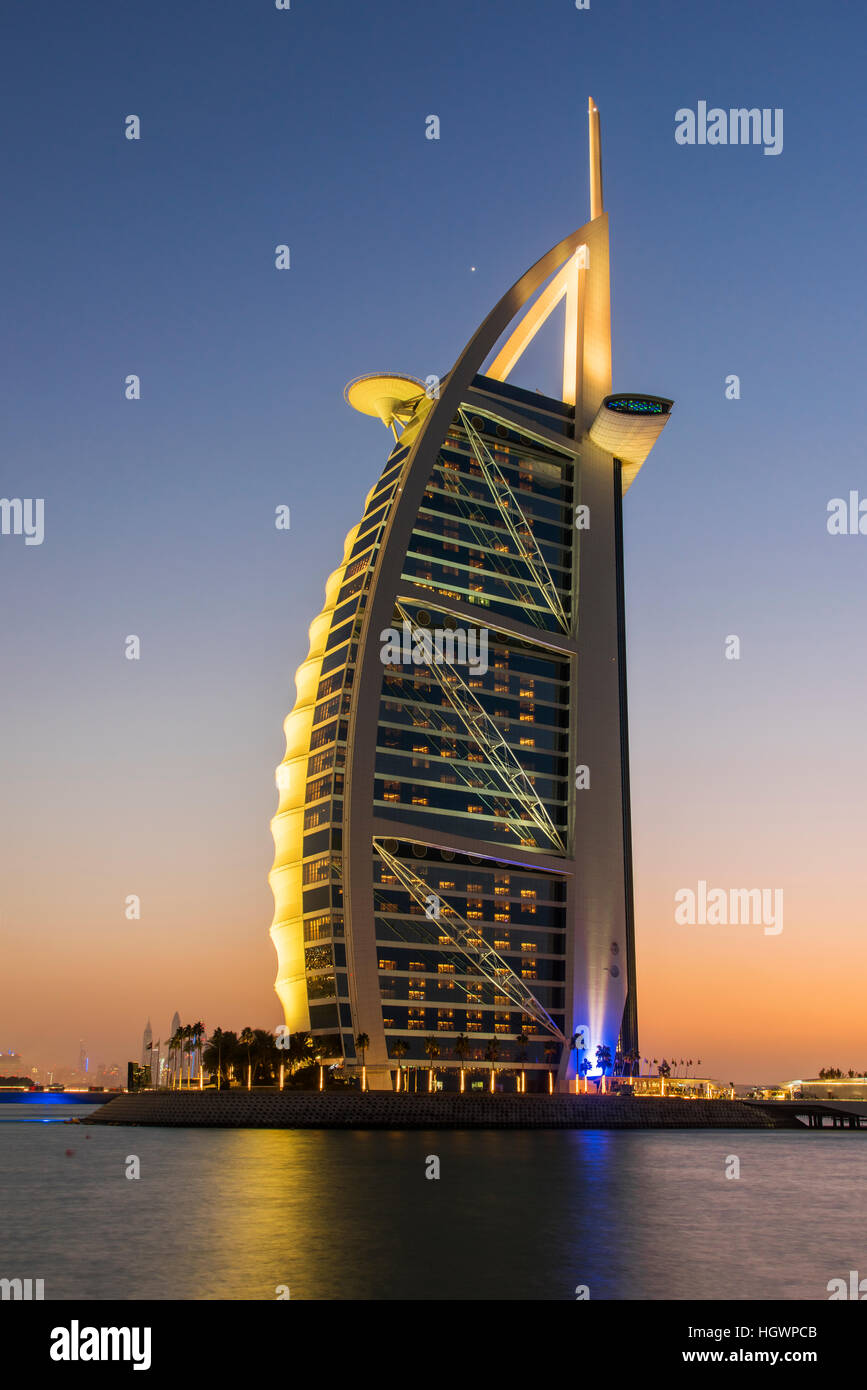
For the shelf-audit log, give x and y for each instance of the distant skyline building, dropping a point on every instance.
(453, 868)
(146, 1044)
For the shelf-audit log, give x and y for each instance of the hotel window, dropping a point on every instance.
(528, 893)
(528, 742)
(501, 1000)
(318, 928)
(388, 965)
(502, 917)
(415, 1022)
(315, 790)
(444, 940)
(320, 762)
(446, 968)
(326, 734)
(391, 791)
(315, 871)
(474, 1022)
(472, 809)
(527, 717)
(386, 876)
(416, 989)
(417, 965)
(474, 996)
(528, 970)
(387, 1022)
(321, 987)
(529, 946)
(419, 800)
(476, 888)
(318, 958)
(326, 710)
(447, 883)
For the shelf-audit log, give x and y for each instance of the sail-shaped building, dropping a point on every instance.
(453, 870)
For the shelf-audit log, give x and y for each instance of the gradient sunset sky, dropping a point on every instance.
(156, 257)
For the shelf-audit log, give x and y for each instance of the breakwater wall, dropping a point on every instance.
(265, 1109)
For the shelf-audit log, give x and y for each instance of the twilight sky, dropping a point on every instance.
(156, 257)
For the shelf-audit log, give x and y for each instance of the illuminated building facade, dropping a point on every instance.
(453, 860)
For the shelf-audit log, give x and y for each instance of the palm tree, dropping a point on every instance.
(176, 1042)
(603, 1059)
(216, 1049)
(198, 1032)
(187, 1048)
(461, 1050)
(492, 1052)
(399, 1049)
(264, 1052)
(523, 1043)
(432, 1048)
(300, 1051)
(247, 1040)
(362, 1042)
(586, 1066)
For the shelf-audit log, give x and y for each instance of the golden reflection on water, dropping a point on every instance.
(235, 1214)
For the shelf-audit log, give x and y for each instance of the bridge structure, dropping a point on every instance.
(817, 1114)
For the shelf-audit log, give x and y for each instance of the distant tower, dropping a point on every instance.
(175, 1024)
(82, 1058)
(146, 1045)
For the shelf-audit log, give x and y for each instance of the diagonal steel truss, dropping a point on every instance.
(506, 501)
(485, 733)
(471, 945)
(505, 566)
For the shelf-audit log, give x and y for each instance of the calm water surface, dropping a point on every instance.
(336, 1215)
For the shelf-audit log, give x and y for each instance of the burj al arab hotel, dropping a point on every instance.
(453, 869)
